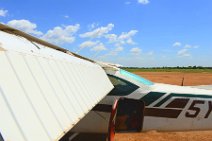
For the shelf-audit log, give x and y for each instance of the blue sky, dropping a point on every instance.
(141, 33)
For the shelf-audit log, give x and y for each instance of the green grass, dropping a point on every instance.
(186, 70)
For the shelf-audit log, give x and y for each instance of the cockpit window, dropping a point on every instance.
(121, 87)
(136, 77)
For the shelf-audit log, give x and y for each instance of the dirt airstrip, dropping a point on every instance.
(176, 79)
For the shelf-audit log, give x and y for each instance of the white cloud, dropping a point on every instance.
(58, 35)
(61, 35)
(183, 53)
(118, 49)
(113, 52)
(98, 32)
(188, 46)
(185, 49)
(177, 44)
(127, 2)
(150, 53)
(93, 25)
(143, 1)
(25, 26)
(124, 38)
(99, 47)
(130, 41)
(195, 46)
(111, 37)
(135, 51)
(3, 12)
(127, 35)
(88, 44)
(66, 16)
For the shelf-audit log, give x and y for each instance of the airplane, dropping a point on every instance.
(144, 105)
(49, 93)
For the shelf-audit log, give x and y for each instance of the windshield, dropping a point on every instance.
(136, 77)
(121, 86)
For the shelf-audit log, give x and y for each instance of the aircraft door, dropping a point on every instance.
(129, 116)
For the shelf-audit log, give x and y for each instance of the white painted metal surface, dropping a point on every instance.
(44, 92)
(206, 87)
(160, 87)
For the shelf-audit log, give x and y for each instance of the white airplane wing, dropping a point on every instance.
(44, 92)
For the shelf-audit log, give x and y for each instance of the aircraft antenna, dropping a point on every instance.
(182, 84)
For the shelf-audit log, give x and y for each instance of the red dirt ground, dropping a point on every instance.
(171, 78)
(190, 79)
(166, 136)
